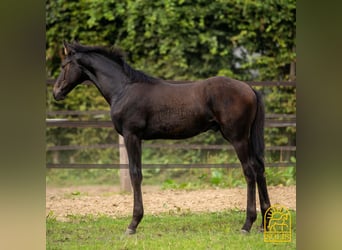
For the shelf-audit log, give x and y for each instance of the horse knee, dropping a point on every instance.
(135, 174)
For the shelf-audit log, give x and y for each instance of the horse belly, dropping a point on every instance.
(176, 123)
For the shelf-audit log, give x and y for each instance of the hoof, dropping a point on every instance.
(244, 231)
(130, 231)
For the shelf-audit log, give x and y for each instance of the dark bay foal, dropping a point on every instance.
(144, 107)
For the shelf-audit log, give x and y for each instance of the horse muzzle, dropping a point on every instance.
(58, 95)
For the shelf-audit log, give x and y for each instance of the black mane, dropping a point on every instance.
(116, 55)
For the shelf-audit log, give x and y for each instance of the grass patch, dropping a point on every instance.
(187, 179)
(79, 177)
(219, 230)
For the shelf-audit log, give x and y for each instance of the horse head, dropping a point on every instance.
(71, 74)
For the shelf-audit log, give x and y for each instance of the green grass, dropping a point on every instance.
(188, 179)
(219, 230)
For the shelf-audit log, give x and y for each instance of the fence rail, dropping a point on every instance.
(168, 166)
(63, 123)
(168, 146)
(252, 83)
(272, 120)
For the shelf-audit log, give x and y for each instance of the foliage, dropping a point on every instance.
(220, 230)
(182, 39)
(175, 39)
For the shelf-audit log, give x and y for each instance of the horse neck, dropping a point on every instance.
(107, 76)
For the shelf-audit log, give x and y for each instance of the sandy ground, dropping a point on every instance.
(107, 200)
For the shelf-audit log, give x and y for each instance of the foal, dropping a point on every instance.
(144, 107)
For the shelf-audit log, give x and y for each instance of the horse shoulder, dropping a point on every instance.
(129, 112)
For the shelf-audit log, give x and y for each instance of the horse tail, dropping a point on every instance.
(257, 143)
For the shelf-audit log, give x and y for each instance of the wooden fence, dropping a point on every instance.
(271, 121)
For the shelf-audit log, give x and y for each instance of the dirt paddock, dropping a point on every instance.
(107, 200)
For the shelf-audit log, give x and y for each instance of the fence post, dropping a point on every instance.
(125, 181)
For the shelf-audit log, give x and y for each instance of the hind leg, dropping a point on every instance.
(263, 193)
(241, 148)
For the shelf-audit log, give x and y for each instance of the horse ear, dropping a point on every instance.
(66, 48)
